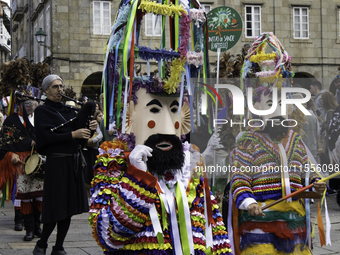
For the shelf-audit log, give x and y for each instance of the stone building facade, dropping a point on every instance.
(74, 43)
(5, 38)
(315, 50)
(77, 31)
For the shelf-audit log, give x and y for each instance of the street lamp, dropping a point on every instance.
(40, 36)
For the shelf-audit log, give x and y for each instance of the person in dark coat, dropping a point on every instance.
(64, 194)
(16, 147)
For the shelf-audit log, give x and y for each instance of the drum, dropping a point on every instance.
(34, 166)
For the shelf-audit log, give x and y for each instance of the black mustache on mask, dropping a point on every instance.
(167, 154)
(276, 131)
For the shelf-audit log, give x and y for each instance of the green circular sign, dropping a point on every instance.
(224, 28)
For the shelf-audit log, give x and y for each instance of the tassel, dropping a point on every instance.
(320, 227)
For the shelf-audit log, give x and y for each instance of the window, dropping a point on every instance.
(36, 50)
(206, 7)
(101, 18)
(301, 22)
(48, 29)
(253, 21)
(339, 20)
(153, 24)
(41, 47)
(1, 27)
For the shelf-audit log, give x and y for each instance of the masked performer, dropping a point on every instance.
(148, 195)
(270, 162)
(17, 144)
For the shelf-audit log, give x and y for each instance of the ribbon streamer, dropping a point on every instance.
(184, 220)
(169, 203)
(284, 173)
(320, 226)
(156, 224)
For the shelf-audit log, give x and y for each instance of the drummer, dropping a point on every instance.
(16, 145)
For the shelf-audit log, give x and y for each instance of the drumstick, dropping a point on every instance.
(32, 150)
(22, 162)
(299, 191)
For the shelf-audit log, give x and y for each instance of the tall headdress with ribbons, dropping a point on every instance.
(267, 63)
(184, 59)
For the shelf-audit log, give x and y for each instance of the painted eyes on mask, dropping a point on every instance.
(270, 103)
(174, 109)
(154, 110)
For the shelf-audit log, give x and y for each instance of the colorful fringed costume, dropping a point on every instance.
(123, 197)
(283, 229)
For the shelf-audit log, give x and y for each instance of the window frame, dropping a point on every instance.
(36, 50)
(253, 6)
(300, 8)
(101, 17)
(206, 5)
(153, 16)
(41, 55)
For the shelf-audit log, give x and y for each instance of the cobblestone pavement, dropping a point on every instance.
(79, 239)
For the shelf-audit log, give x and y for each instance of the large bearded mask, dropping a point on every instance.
(155, 122)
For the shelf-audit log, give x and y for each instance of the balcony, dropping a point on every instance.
(5, 39)
(18, 7)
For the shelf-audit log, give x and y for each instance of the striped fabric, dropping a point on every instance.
(122, 196)
(257, 175)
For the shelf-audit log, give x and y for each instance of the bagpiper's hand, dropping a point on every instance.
(93, 124)
(139, 155)
(81, 133)
(320, 187)
(15, 159)
(255, 210)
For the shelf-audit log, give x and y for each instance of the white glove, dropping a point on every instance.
(139, 155)
(213, 147)
(112, 125)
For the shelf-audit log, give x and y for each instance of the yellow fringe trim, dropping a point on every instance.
(269, 249)
(162, 9)
(199, 247)
(150, 246)
(285, 206)
(119, 238)
(262, 57)
(176, 70)
(138, 188)
(224, 250)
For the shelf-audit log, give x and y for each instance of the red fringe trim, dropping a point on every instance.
(26, 208)
(279, 228)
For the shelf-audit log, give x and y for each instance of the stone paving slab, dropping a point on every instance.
(79, 239)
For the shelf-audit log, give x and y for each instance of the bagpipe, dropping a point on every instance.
(82, 120)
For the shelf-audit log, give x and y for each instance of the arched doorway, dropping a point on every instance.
(92, 85)
(303, 79)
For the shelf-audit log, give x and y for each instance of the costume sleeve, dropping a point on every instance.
(43, 125)
(121, 197)
(241, 180)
